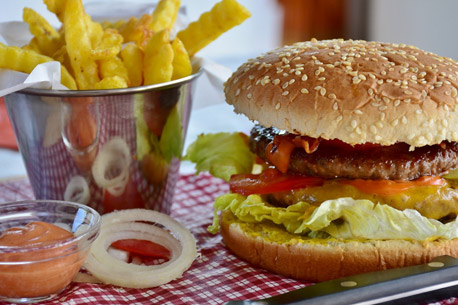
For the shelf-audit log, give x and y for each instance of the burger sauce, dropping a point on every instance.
(42, 278)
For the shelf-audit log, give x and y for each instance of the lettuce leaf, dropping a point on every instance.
(222, 154)
(343, 218)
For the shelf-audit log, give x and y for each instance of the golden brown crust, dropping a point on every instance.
(355, 91)
(316, 262)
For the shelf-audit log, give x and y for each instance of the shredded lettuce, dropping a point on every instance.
(222, 154)
(343, 218)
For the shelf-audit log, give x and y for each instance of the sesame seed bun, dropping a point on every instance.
(355, 91)
(321, 260)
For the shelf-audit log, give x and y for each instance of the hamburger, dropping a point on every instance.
(350, 167)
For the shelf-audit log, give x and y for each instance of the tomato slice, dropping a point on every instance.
(270, 181)
(390, 187)
(142, 248)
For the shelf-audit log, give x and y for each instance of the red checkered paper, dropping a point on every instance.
(216, 276)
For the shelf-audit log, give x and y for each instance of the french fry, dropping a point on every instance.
(164, 15)
(23, 60)
(181, 62)
(95, 31)
(132, 57)
(111, 82)
(109, 45)
(79, 45)
(113, 24)
(113, 67)
(127, 29)
(210, 25)
(141, 31)
(157, 64)
(32, 45)
(57, 7)
(47, 38)
(61, 56)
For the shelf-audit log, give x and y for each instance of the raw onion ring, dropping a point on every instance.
(77, 190)
(129, 224)
(114, 156)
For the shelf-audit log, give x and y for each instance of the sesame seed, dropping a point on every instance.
(317, 87)
(373, 129)
(285, 93)
(370, 91)
(248, 95)
(397, 103)
(395, 123)
(285, 74)
(251, 77)
(277, 106)
(419, 111)
(276, 81)
(304, 90)
(332, 96)
(335, 106)
(357, 111)
(354, 124)
(339, 118)
(297, 72)
(322, 78)
(353, 73)
(322, 91)
(304, 77)
(237, 93)
(285, 85)
(356, 80)
(291, 81)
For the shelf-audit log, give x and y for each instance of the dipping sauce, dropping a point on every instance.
(48, 263)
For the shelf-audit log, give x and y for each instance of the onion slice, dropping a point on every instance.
(111, 166)
(130, 224)
(77, 190)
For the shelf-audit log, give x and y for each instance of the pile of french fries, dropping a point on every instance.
(126, 53)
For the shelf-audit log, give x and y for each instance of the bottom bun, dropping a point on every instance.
(317, 259)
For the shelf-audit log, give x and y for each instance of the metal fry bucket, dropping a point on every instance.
(110, 149)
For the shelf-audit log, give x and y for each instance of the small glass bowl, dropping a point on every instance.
(38, 272)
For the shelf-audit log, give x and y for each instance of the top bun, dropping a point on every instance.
(355, 91)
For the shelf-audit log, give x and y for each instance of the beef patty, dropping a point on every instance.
(335, 159)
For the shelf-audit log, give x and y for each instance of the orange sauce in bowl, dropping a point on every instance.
(48, 270)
